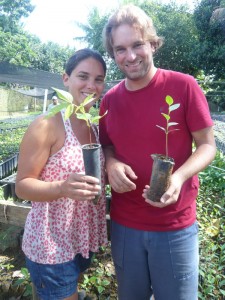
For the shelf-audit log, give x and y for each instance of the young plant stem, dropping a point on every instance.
(171, 107)
(89, 127)
(167, 131)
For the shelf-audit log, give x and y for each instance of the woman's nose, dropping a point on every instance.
(91, 85)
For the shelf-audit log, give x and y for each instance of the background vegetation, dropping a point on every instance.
(194, 40)
(100, 279)
(194, 44)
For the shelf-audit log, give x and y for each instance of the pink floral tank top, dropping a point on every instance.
(56, 231)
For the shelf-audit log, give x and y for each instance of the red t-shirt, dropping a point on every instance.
(130, 126)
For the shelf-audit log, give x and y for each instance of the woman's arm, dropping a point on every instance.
(42, 136)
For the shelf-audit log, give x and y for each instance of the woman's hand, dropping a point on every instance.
(80, 187)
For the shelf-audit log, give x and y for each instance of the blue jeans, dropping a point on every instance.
(162, 263)
(58, 281)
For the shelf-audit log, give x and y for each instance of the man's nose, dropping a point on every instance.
(131, 55)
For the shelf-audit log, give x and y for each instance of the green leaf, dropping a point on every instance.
(222, 292)
(25, 272)
(173, 130)
(161, 128)
(19, 281)
(172, 124)
(84, 116)
(100, 289)
(222, 283)
(167, 117)
(69, 111)
(89, 99)
(169, 100)
(63, 95)
(53, 111)
(93, 279)
(105, 282)
(173, 107)
(97, 118)
(28, 291)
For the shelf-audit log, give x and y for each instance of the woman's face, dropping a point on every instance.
(86, 79)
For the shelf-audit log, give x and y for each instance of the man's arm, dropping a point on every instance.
(120, 175)
(199, 160)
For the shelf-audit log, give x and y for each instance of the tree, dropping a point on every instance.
(175, 24)
(173, 21)
(209, 17)
(26, 50)
(50, 57)
(93, 38)
(16, 48)
(11, 12)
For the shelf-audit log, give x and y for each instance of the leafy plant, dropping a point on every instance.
(98, 278)
(25, 282)
(211, 219)
(167, 130)
(79, 110)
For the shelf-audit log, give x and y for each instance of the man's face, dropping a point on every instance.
(55, 101)
(133, 55)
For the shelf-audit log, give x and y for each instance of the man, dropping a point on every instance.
(154, 244)
(55, 102)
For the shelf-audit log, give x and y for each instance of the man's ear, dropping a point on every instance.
(153, 46)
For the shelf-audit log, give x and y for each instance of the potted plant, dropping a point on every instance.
(162, 164)
(91, 151)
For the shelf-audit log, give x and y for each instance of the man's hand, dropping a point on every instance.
(120, 176)
(170, 196)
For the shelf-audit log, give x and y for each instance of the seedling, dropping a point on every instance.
(79, 110)
(167, 129)
(163, 164)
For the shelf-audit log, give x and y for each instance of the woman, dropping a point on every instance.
(64, 227)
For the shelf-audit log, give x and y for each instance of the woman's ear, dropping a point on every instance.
(65, 78)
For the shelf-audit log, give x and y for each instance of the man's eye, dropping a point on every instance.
(139, 45)
(120, 51)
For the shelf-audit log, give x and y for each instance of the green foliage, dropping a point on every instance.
(213, 178)
(21, 48)
(210, 49)
(171, 107)
(174, 23)
(211, 218)
(24, 282)
(10, 142)
(193, 41)
(15, 49)
(98, 280)
(11, 12)
(79, 110)
(93, 30)
(49, 56)
(11, 134)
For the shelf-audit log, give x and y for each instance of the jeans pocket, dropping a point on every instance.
(184, 252)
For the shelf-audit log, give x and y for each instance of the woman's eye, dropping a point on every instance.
(100, 80)
(83, 77)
